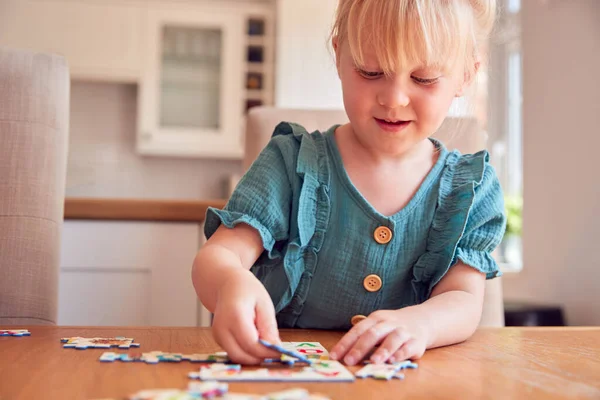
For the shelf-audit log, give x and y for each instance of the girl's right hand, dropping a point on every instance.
(244, 313)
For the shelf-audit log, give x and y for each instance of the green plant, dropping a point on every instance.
(514, 215)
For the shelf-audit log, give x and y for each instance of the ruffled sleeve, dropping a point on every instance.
(468, 224)
(263, 197)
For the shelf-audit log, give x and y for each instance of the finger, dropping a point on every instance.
(224, 337)
(365, 343)
(347, 341)
(411, 350)
(390, 345)
(235, 352)
(237, 334)
(266, 325)
(246, 336)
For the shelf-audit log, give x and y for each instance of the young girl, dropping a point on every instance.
(372, 225)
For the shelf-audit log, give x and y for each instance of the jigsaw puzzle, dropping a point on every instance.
(82, 343)
(14, 332)
(318, 371)
(154, 357)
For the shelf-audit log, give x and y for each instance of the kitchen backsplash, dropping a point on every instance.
(103, 161)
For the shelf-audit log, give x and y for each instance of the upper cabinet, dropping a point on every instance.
(205, 66)
(190, 93)
(199, 64)
(102, 40)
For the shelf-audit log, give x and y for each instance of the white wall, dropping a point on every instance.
(103, 161)
(561, 108)
(305, 67)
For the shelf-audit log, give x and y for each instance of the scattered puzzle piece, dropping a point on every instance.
(385, 371)
(295, 394)
(318, 371)
(216, 390)
(82, 343)
(154, 357)
(14, 332)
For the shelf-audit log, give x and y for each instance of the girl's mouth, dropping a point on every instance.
(392, 126)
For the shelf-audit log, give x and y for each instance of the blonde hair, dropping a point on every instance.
(432, 33)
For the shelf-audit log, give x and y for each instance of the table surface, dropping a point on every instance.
(506, 363)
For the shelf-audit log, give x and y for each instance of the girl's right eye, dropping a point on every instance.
(369, 74)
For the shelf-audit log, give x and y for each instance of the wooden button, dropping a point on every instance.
(383, 235)
(372, 283)
(356, 319)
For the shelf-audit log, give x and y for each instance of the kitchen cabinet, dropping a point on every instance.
(117, 273)
(102, 40)
(205, 65)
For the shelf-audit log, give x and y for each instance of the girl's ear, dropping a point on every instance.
(336, 49)
(468, 79)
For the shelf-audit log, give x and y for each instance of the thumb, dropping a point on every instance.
(266, 324)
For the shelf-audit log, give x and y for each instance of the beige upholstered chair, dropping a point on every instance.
(34, 118)
(456, 133)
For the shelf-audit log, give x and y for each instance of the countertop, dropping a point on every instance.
(139, 210)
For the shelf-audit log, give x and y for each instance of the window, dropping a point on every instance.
(505, 120)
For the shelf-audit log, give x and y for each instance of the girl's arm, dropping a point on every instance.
(452, 312)
(243, 310)
(449, 316)
(229, 253)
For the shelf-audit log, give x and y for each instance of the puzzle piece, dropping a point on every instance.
(82, 343)
(318, 371)
(195, 390)
(292, 355)
(385, 371)
(154, 357)
(312, 351)
(295, 394)
(217, 390)
(14, 332)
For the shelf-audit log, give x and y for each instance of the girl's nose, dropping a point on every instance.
(393, 95)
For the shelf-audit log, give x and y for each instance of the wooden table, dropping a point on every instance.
(506, 363)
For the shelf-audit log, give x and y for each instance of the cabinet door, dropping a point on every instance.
(191, 92)
(101, 40)
(128, 273)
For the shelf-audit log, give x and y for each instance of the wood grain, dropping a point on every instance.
(139, 210)
(506, 363)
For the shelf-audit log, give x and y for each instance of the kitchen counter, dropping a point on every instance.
(139, 210)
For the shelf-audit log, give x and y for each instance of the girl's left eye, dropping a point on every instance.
(425, 81)
(369, 74)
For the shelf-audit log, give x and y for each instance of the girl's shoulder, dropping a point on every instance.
(467, 169)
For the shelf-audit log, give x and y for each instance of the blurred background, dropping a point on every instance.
(159, 94)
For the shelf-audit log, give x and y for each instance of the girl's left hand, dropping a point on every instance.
(398, 339)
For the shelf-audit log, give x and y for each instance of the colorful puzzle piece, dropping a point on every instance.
(195, 390)
(217, 390)
(82, 343)
(313, 351)
(154, 357)
(293, 355)
(385, 371)
(294, 394)
(318, 371)
(14, 332)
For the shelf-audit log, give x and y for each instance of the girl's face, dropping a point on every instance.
(391, 114)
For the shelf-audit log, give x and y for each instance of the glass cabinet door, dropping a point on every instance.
(190, 79)
(192, 90)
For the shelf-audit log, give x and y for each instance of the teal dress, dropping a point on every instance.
(325, 259)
